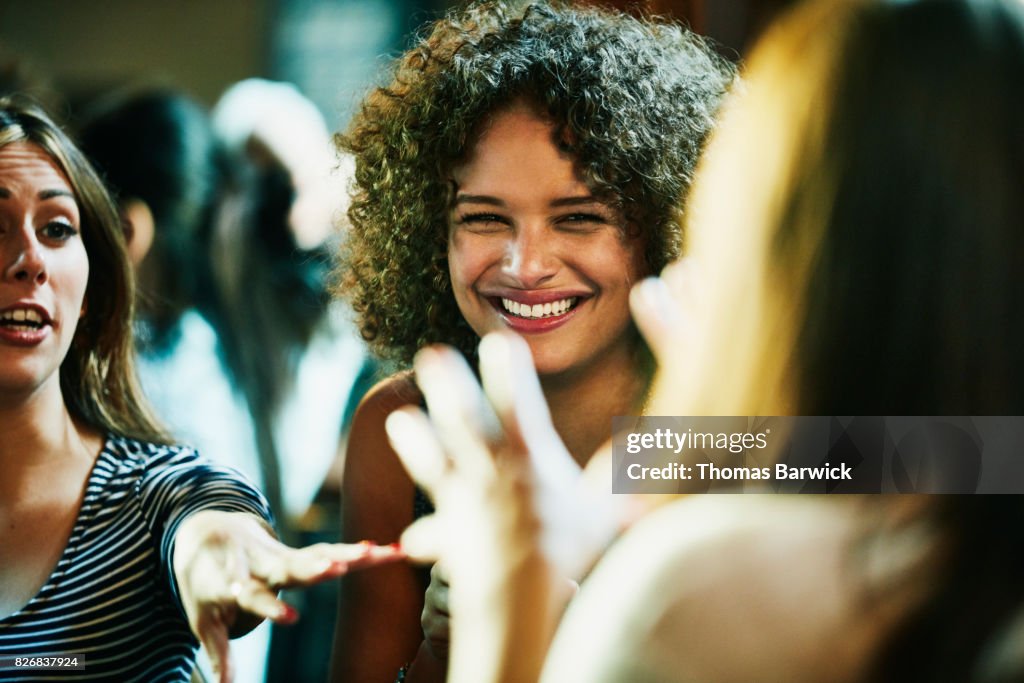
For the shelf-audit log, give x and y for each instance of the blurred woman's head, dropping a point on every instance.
(871, 263)
(157, 152)
(96, 375)
(625, 102)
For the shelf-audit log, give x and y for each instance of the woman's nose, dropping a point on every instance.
(27, 262)
(531, 259)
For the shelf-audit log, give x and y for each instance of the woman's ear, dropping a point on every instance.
(139, 229)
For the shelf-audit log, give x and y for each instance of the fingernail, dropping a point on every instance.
(394, 547)
(287, 614)
(654, 293)
(397, 426)
(494, 346)
(413, 543)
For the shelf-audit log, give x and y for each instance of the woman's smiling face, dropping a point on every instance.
(531, 249)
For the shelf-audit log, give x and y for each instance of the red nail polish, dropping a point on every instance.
(397, 547)
(287, 614)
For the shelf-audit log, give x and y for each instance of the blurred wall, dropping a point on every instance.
(85, 46)
(331, 49)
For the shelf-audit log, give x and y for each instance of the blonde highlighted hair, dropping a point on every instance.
(857, 221)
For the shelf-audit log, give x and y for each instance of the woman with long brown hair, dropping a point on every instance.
(121, 550)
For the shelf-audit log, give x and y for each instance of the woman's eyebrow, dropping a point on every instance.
(478, 199)
(576, 201)
(50, 194)
(554, 203)
(43, 194)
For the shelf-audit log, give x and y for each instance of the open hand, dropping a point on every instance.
(494, 457)
(229, 568)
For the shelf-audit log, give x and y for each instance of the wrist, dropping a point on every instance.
(503, 634)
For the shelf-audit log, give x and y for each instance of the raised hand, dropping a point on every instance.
(473, 436)
(513, 522)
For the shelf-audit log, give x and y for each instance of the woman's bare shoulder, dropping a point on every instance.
(369, 456)
(722, 589)
(377, 493)
(388, 395)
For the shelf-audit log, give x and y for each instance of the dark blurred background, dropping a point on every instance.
(330, 49)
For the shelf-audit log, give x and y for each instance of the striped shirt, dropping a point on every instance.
(112, 597)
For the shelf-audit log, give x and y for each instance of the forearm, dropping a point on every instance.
(504, 637)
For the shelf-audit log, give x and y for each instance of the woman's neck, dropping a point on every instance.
(38, 427)
(582, 405)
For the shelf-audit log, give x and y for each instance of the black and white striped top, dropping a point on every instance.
(112, 597)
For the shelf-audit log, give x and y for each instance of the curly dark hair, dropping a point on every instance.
(634, 99)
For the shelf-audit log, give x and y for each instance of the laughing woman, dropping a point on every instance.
(119, 550)
(521, 172)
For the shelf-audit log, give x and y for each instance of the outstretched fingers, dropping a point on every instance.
(414, 440)
(463, 420)
(285, 567)
(229, 569)
(666, 307)
(512, 385)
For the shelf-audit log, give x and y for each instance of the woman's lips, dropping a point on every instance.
(21, 335)
(542, 322)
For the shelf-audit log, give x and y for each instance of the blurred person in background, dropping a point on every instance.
(295, 351)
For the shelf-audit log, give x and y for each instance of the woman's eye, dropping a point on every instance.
(59, 231)
(483, 222)
(583, 222)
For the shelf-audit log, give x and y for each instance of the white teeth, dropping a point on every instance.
(21, 315)
(538, 310)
